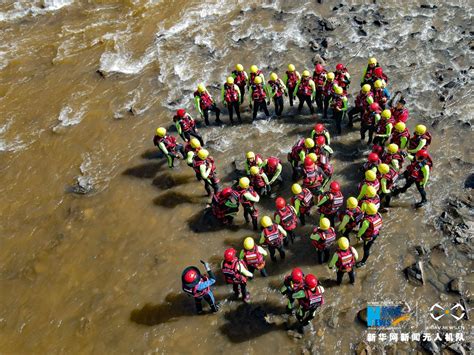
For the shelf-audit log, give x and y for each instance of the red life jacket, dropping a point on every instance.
(239, 78)
(387, 158)
(205, 99)
(379, 97)
(355, 217)
(193, 290)
(340, 78)
(414, 169)
(345, 260)
(368, 117)
(326, 167)
(369, 73)
(415, 140)
(168, 141)
(397, 137)
(288, 218)
(369, 165)
(399, 115)
(296, 149)
(254, 75)
(292, 79)
(231, 272)
(277, 87)
(333, 204)
(258, 93)
(312, 179)
(375, 224)
(319, 79)
(337, 101)
(312, 300)
(186, 123)
(292, 285)
(381, 127)
(375, 184)
(208, 162)
(254, 258)
(257, 181)
(375, 200)
(230, 93)
(304, 88)
(306, 200)
(273, 236)
(270, 171)
(390, 177)
(327, 90)
(361, 100)
(218, 206)
(327, 238)
(243, 201)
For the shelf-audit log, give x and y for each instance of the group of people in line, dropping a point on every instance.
(310, 159)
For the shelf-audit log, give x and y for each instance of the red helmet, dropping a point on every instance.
(320, 140)
(374, 107)
(297, 274)
(190, 276)
(373, 157)
(226, 191)
(280, 202)
(319, 68)
(378, 72)
(319, 127)
(272, 162)
(308, 161)
(422, 154)
(334, 186)
(181, 112)
(311, 281)
(229, 254)
(339, 67)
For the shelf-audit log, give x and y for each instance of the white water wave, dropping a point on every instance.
(29, 8)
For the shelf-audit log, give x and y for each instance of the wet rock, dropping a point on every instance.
(361, 32)
(359, 20)
(295, 334)
(80, 189)
(314, 46)
(430, 346)
(454, 286)
(101, 73)
(362, 316)
(318, 59)
(469, 183)
(363, 349)
(428, 6)
(421, 250)
(325, 42)
(414, 273)
(450, 85)
(326, 25)
(457, 349)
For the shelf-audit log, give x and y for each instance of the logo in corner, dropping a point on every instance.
(457, 312)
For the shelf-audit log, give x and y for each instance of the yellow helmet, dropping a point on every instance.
(254, 170)
(420, 129)
(378, 84)
(230, 80)
(372, 61)
(257, 80)
(291, 67)
(296, 189)
(386, 114)
(308, 143)
(400, 127)
(161, 132)
(239, 67)
(273, 76)
(383, 168)
(352, 203)
(370, 209)
(201, 88)
(366, 88)
(250, 155)
(324, 224)
(370, 175)
(203, 154)
(306, 73)
(249, 243)
(194, 142)
(392, 148)
(313, 157)
(253, 69)
(370, 192)
(343, 243)
(266, 221)
(338, 90)
(244, 182)
(330, 76)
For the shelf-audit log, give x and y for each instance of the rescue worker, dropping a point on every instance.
(400, 112)
(371, 196)
(322, 161)
(362, 102)
(236, 274)
(225, 205)
(276, 89)
(292, 77)
(367, 77)
(273, 236)
(381, 94)
(342, 77)
(387, 178)
(254, 256)
(327, 93)
(418, 173)
(240, 79)
(255, 72)
(369, 230)
(330, 202)
(198, 286)
(400, 135)
(323, 238)
(351, 217)
(168, 146)
(321, 131)
(259, 181)
(231, 98)
(370, 180)
(319, 78)
(312, 176)
(310, 298)
(258, 96)
(252, 159)
(369, 118)
(372, 162)
(190, 150)
(272, 168)
(383, 128)
(392, 157)
(292, 284)
(286, 217)
(186, 126)
(322, 149)
(298, 153)
(338, 104)
(302, 201)
(421, 139)
(205, 167)
(248, 198)
(305, 90)
(379, 75)
(205, 103)
(344, 259)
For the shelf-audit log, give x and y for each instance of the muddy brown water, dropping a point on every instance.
(100, 272)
